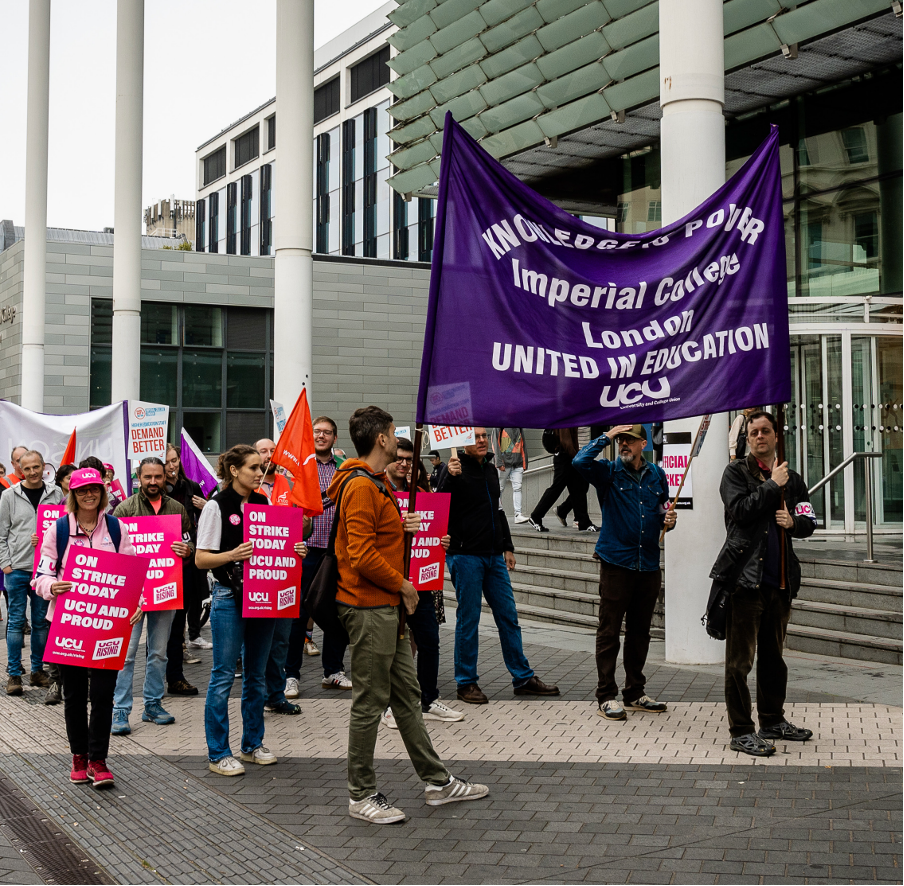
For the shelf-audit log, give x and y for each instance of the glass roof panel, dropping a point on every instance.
(449, 11)
(574, 85)
(495, 11)
(583, 112)
(509, 85)
(574, 26)
(458, 32)
(466, 79)
(511, 112)
(625, 31)
(513, 29)
(413, 58)
(633, 59)
(575, 55)
(523, 51)
(455, 59)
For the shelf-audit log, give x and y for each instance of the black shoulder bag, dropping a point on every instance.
(319, 600)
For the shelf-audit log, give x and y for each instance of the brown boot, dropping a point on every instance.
(472, 695)
(14, 686)
(535, 686)
(39, 678)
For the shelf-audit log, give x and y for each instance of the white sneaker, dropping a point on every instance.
(454, 791)
(200, 643)
(339, 680)
(260, 755)
(387, 719)
(520, 518)
(310, 647)
(188, 658)
(227, 766)
(376, 809)
(612, 710)
(439, 711)
(291, 687)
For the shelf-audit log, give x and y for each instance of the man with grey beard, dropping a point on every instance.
(633, 496)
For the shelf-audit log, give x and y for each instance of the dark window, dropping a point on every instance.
(246, 329)
(326, 100)
(348, 187)
(370, 75)
(101, 321)
(370, 183)
(200, 226)
(400, 226)
(213, 229)
(158, 324)
(215, 166)
(271, 132)
(424, 229)
(322, 193)
(231, 200)
(244, 426)
(266, 198)
(247, 188)
(247, 147)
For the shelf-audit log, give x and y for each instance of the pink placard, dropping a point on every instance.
(273, 573)
(427, 555)
(90, 626)
(152, 538)
(47, 516)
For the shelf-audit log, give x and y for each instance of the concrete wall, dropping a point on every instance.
(12, 263)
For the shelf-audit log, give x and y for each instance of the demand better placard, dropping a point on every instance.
(90, 625)
(152, 538)
(273, 572)
(427, 554)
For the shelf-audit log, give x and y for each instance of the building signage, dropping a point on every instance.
(147, 430)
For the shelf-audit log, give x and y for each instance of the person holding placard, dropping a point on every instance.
(88, 527)
(221, 548)
(18, 526)
(150, 501)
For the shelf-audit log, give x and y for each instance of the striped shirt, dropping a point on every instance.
(323, 523)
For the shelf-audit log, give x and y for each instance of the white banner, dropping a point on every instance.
(101, 433)
(404, 431)
(147, 430)
(674, 461)
(279, 416)
(447, 436)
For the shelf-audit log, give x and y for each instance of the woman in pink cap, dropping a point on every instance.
(90, 527)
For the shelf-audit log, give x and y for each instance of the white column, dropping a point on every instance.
(126, 356)
(35, 271)
(293, 193)
(692, 76)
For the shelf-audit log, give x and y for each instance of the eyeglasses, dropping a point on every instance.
(323, 433)
(405, 461)
(481, 437)
(87, 490)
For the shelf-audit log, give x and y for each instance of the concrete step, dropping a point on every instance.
(848, 620)
(850, 594)
(570, 561)
(540, 613)
(820, 641)
(545, 578)
(886, 574)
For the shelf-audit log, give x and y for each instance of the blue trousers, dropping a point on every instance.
(19, 594)
(476, 576)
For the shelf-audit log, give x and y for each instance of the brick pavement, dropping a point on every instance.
(574, 798)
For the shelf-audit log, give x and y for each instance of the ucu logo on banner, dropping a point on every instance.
(258, 597)
(69, 643)
(632, 393)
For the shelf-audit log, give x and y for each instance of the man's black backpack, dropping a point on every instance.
(320, 597)
(551, 442)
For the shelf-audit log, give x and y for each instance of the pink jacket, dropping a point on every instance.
(49, 569)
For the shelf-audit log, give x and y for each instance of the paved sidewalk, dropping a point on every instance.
(655, 799)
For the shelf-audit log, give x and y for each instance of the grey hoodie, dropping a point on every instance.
(18, 521)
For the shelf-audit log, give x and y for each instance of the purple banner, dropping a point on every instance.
(537, 319)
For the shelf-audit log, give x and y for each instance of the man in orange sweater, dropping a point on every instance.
(370, 551)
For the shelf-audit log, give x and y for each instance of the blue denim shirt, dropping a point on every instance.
(632, 506)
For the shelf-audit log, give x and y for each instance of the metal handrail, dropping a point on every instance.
(868, 493)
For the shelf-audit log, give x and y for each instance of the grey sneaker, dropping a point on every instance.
(612, 710)
(387, 719)
(291, 688)
(120, 725)
(227, 766)
(753, 745)
(645, 703)
(375, 809)
(260, 755)
(454, 792)
(439, 711)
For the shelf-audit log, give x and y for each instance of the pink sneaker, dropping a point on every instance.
(99, 774)
(79, 773)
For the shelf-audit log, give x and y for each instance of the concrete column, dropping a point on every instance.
(127, 217)
(34, 290)
(293, 195)
(692, 72)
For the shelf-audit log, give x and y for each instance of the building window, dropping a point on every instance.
(247, 192)
(201, 226)
(214, 166)
(322, 194)
(370, 183)
(348, 187)
(266, 200)
(654, 211)
(231, 200)
(369, 75)
(213, 228)
(854, 141)
(247, 147)
(271, 132)
(210, 365)
(326, 100)
(424, 229)
(400, 227)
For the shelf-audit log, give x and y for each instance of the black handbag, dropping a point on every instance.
(319, 599)
(715, 619)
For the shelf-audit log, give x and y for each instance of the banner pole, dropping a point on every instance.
(779, 458)
(704, 424)
(412, 500)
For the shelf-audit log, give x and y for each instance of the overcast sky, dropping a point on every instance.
(206, 63)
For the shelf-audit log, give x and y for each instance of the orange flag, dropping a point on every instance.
(69, 454)
(295, 453)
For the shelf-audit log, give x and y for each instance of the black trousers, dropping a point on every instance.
(88, 736)
(564, 475)
(630, 596)
(194, 590)
(757, 624)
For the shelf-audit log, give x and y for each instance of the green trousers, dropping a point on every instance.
(383, 675)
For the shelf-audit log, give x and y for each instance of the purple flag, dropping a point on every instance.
(537, 319)
(196, 466)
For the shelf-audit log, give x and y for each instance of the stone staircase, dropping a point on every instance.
(845, 608)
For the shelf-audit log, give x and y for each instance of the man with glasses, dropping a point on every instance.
(480, 556)
(750, 565)
(633, 496)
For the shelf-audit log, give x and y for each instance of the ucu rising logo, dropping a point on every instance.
(634, 392)
(258, 597)
(69, 643)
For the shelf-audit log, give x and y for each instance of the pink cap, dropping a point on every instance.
(85, 477)
(109, 467)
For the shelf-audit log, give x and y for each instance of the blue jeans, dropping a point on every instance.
(19, 592)
(425, 630)
(475, 575)
(230, 632)
(159, 624)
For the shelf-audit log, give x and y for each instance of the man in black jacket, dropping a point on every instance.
(480, 556)
(759, 607)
